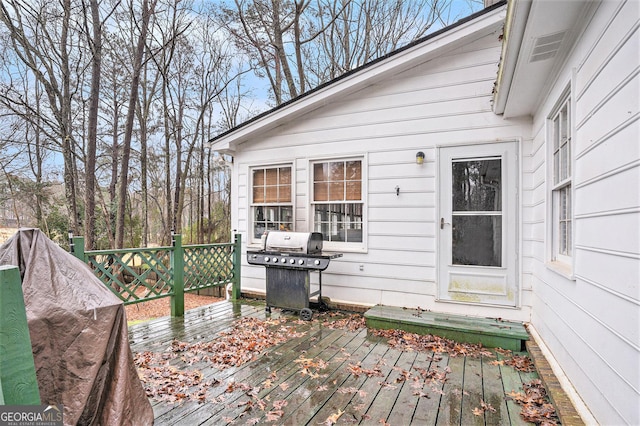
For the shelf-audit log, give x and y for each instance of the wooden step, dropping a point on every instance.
(490, 332)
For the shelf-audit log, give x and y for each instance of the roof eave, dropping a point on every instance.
(515, 24)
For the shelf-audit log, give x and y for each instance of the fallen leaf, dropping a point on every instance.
(279, 405)
(284, 386)
(386, 385)
(274, 415)
(333, 419)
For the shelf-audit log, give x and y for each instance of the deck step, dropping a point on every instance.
(491, 333)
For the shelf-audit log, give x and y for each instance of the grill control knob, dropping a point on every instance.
(275, 260)
(266, 259)
(283, 260)
(292, 261)
(317, 262)
(301, 262)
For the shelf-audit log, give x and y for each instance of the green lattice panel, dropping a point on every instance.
(207, 266)
(134, 275)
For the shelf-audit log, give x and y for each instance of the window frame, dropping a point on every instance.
(253, 205)
(561, 146)
(359, 246)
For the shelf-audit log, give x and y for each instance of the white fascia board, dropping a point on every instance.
(516, 22)
(371, 73)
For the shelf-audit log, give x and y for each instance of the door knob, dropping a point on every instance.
(442, 223)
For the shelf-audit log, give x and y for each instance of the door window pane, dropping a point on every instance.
(477, 240)
(476, 185)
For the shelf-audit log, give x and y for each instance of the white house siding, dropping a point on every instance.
(442, 102)
(590, 321)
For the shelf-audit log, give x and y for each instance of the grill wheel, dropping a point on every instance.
(306, 314)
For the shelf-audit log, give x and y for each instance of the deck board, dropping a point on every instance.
(359, 377)
(492, 391)
(409, 397)
(327, 402)
(472, 395)
(449, 411)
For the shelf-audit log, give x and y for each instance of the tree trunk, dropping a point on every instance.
(147, 11)
(115, 156)
(66, 128)
(90, 167)
(167, 165)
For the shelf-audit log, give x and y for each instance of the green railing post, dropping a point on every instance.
(18, 383)
(177, 265)
(236, 288)
(78, 247)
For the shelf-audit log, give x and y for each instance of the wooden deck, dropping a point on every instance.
(319, 375)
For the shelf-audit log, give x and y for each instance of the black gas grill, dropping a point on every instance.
(289, 257)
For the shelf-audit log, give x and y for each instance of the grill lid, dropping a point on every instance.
(294, 242)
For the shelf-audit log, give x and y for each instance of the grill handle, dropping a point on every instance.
(286, 249)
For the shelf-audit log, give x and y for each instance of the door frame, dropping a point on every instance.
(440, 167)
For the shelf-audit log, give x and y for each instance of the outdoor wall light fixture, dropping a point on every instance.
(419, 157)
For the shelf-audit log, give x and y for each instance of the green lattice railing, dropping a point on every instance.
(207, 265)
(134, 274)
(141, 274)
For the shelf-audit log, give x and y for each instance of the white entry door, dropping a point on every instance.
(478, 259)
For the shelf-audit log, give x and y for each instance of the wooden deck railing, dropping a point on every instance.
(18, 384)
(141, 274)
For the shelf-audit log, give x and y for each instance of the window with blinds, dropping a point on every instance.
(337, 200)
(272, 205)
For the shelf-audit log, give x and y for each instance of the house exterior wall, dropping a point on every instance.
(588, 314)
(443, 102)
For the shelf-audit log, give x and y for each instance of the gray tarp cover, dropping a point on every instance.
(79, 336)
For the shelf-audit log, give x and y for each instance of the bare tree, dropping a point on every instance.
(319, 40)
(123, 95)
(148, 8)
(40, 39)
(95, 43)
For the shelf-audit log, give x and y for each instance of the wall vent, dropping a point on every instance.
(546, 47)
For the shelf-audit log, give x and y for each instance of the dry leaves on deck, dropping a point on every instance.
(167, 383)
(251, 336)
(336, 320)
(405, 341)
(243, 343)
(536, 407)
(518, 362)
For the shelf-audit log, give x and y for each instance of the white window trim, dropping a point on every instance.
(252, 240)
(557, 262)
(359, 247)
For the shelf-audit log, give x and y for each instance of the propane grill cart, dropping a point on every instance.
(289, 257)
